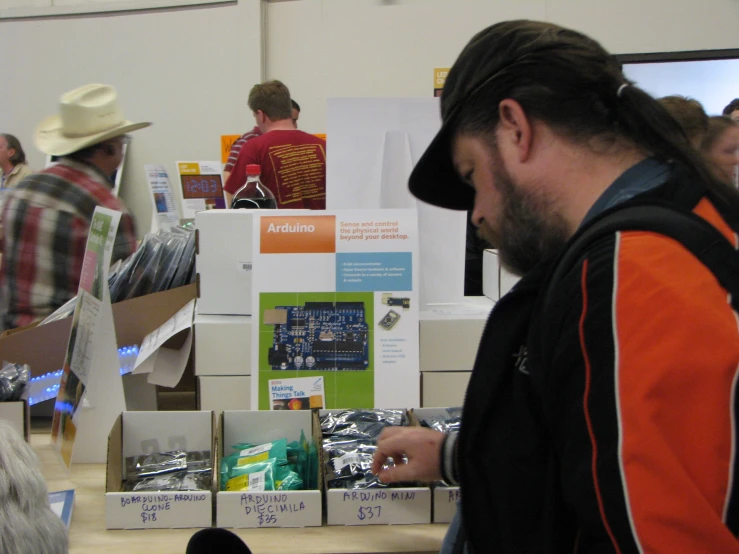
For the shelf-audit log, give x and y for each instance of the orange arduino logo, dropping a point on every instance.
(298, 234)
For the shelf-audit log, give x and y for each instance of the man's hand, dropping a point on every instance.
(421, 446)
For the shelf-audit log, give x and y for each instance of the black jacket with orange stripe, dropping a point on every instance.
(608, 424)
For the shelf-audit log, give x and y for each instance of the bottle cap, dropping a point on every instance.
(253, 169)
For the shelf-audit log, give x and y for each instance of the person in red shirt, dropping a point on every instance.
(293, 162)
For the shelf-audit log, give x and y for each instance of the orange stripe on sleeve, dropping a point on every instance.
(678, 352)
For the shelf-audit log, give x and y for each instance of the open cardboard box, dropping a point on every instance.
(386, 506)
(43, 347)
(137, 433)
(445, 498)
(18, 415)
(268, 508)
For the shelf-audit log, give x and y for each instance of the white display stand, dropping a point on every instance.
(374, 144)
(91, 394)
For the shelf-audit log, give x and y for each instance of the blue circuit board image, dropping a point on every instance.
(319, 336)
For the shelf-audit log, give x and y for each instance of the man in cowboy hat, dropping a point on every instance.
(47, 216)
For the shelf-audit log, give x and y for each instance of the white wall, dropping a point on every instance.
(186, 70)
(189, 70)
(336, 48)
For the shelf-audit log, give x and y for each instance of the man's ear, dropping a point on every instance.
(515, 128)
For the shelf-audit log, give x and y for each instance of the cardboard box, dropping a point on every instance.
(137, 433)
(216, 393)
(18, 415)
(491, 274)
(390, 506)
(268, 508)
(444, 388)
(445, 498)
(449, 340)
(223, 345)
(496, 280)
(224, 260)
(445, 503)
(43, 347)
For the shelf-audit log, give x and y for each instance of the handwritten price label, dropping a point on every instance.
(146, 518)
(369, 512)
(267, 519)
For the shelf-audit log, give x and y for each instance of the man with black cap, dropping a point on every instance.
(600, 416)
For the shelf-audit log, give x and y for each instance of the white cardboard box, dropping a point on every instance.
(18, 415)
(449, 337)
(445, 503)
(222, 345)
(445, 498)
(491, 274)
(496, 280)
(219, 393)
(447, 388)
(269, 508)
(137, 433)
(390, 506)
(224, 260)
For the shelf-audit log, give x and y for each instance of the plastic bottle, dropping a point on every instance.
(254, 195)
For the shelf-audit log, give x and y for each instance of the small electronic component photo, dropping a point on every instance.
(390, 319)
(389, 300)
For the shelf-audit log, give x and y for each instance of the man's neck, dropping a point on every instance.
(7, 168)
(585, 175)
(281, 125)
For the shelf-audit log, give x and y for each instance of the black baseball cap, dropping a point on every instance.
(486, 57)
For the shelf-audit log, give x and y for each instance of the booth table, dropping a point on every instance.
(88, 533)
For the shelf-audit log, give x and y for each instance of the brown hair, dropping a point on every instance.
(273, 99)
(717, 126)
(689, 113)
(20, 156)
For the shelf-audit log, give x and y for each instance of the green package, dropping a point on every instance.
(259, 476)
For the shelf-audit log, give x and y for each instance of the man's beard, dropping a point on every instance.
(530, 231)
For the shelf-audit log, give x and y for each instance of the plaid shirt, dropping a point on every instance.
(46, 218)
(236, 148)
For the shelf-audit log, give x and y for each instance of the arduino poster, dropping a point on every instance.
(337, 302)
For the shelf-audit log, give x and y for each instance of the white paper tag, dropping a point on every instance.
(257, 481)
(345, 460)
(255, 450)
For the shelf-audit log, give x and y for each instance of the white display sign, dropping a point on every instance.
(164, 214)
(91, 391)
(336, 296)
(374, 144)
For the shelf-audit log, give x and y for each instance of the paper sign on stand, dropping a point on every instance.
(375, 143)
(335, 295)
(91, 392)
(164, 214)
(201, 187)
(166, 366)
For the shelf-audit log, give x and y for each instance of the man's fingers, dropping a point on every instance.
(397, 473)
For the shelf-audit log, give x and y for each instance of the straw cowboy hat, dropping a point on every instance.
(87, 115)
